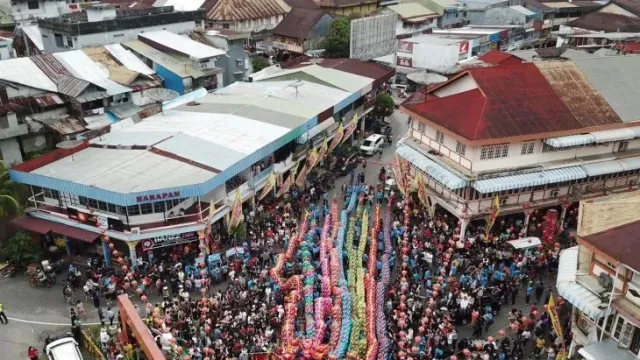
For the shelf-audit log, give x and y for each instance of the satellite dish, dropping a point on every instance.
(69, 144)
(160, 94)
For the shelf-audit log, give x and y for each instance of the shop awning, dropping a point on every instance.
(629, 164)
(614, 135)
(571, 140)
(605, 350)
(602, 167)
(575, 293)
(537, 178)
(431, 168)
(42, 226)
(316, 130)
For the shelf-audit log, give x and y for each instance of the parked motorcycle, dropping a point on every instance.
(49, 280)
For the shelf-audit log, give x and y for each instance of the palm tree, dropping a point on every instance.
(8, 199)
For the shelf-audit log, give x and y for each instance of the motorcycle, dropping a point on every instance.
(48, 281)
(73, 277)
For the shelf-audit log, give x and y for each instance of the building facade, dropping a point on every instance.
(236, 64)
(242, 16)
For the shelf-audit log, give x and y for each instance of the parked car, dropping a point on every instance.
(63, 349)
(372, 145)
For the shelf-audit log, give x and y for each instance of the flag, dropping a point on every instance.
(323, 150)
(423, 194)
(287, 184)
(553, 316)
(350, 128)
(312, 158)
(207, 227)
(271, 183)
(337, 137)
(495, 211)
(397, 173)
(236, 211)
(302, 176)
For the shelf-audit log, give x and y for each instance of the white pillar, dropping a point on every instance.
(133, 257)
(562, 216)
(527, 216)
(464, 222)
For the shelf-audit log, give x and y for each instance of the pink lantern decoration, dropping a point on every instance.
(143, 298)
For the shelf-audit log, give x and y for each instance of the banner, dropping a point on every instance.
(323, 150)
(350, 128)
(553, 317)
(423, 195)
(268, 187)
(495, 211)
(312, 158)
(287, 184)
(337, 138)
(302, 176)
(236, 211)
(397, 173)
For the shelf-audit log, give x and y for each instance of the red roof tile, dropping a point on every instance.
(500, 58)
(510, 101)
(621, 243)
(630, 47)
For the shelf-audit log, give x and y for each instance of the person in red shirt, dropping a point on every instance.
(32, 353)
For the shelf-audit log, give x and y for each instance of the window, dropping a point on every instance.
(146, 208)
(121, 209)
(422, 127)
(92, 203)
(225, 26)
(158, 207)
(494, 152)
(33, 5)
(111, 208)
(82, 200)
(461, 148)
(50, 193)
(102, 205)
(69, 42)
(439, 137)
(618, 328)
(133, 210)
(527, 147)
(59, 40)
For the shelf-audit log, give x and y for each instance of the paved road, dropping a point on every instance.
(34, 312)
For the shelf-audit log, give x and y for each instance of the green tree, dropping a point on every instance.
(20, 251)
(384, 104)
(336, 43)
(259, 62)
(9, 204)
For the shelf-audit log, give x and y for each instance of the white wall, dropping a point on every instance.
(46, 9)
(463, 84)
(10, 151)
(257, 25)
(6, 49)
(427, 56)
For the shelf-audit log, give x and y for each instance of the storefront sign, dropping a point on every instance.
(405, 47)
(404, 61)
(159, 196)
(464, 47)
(168, 240)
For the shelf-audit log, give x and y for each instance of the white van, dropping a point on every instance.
(372, 144)
(63, 349)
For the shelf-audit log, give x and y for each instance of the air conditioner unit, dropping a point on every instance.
(135, 231)
(554, 193)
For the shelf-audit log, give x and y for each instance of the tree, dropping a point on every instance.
(8, 199)
(336, 43)
(20, 251)
(259, 62)
(385, 104)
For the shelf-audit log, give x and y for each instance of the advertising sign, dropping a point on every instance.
(168, 240)
(404, 61)
(405, 47)
(373, 36)
(464, 47)
(98, 220)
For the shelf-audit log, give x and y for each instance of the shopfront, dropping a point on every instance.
(161, 247)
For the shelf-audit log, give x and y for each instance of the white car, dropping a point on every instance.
(63, 349)
(372, 144)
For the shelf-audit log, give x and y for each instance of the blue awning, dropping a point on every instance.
(629, 164)
(537, 178)
(578, 295)
(614, 135)
(571, 140)
(603, 167)
(431, 168)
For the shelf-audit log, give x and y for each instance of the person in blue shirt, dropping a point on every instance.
(527, 294)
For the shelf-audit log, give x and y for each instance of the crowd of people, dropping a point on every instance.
(443, 302)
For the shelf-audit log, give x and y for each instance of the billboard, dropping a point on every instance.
(373, 36)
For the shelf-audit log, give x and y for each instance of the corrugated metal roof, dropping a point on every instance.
(184, 5)
(617, 79)
(621, 243)
(522, 10)
(571, 140)
(587, 106)
(123, 111)
(201, 151)
(128, 59)
(130, 138)
(298, 23)
(181, 44)
(81, 66)
(97, 121)
(411, 10)
(66, 126)
(34, 34)
(339, 79)
(48, 100)
(67, 83)
(431, 168)
(25, 72)
(615, 135)
(238, 10)
(537, 178)
(602, 167)
(183, 68)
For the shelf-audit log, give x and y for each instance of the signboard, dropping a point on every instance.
(464, 47)
(159, 196)
(168, 240)
(373, 36)
(404, 61)
(405, 47)
(98, 220)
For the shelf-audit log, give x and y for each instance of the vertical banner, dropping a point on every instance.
(236, 211)
(423, 195)
(271, 183)
(397, 173)
(312, 159)
(323, 150)
(350, 128)
(206, 238)
(287, 184)
(495, 211)
(302, 176)
(337, 138)
(553, 317)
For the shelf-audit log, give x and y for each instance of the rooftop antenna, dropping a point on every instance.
(297, 85)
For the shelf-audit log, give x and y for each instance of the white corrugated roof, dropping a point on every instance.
(184, 5)
(522, 10)
(34, 34)
(128, 59)
(81, 66)
(25, 72)
(339, 79)
(182, 44)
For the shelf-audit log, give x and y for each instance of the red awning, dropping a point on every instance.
(42, 226)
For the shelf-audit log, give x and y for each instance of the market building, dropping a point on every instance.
(562, 133)
(601, 279)
(151, 182)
